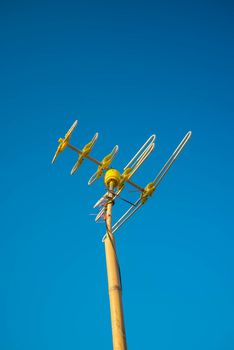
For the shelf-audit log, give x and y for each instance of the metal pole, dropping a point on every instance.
(114, 280)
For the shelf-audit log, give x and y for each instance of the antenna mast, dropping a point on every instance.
(115, 184)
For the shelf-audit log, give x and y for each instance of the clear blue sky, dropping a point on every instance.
(125, 69)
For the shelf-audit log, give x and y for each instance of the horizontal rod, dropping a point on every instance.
(80, 152)
(135, 185)
(99, 163)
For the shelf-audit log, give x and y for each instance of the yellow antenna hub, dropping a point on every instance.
(112, 175)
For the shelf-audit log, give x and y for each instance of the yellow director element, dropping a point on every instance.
(104, 165)
(124, 177)
(63, 143)
(84, 153)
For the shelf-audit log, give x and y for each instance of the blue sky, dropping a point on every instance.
(127, 70)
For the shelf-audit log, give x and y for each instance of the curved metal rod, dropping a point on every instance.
(142, 158)
(103, 167)
(127, 215)
(94, 139)
(100, 201)
(171, 160)
(150, 140)
(99, 215)
(93, 178)
(68, 134)
(137, 205)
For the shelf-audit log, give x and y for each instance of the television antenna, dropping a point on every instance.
(115, 182)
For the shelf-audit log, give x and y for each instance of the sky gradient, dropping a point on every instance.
(127, 70)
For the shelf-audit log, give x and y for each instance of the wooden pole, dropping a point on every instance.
(114, 280)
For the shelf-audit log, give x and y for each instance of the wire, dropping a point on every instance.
(123, 199)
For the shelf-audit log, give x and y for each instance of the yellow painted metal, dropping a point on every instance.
(124, 177)
(80, 152)
(112, 175)
(61, 147)
(63, 143)
(114, 280)
(148, 191)
(105, 163)
(84, 153)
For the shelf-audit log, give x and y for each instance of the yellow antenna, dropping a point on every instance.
(115, 182)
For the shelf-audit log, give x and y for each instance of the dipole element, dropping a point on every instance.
(114, 279)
